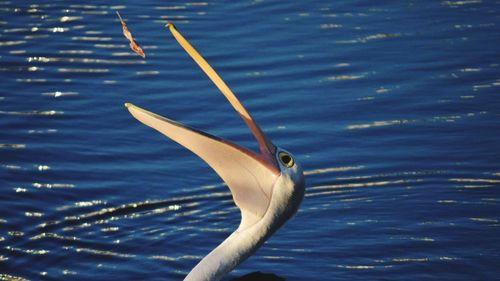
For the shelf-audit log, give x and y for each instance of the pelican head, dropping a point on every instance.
(267, 186)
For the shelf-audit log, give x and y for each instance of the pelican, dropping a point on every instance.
(267, 187)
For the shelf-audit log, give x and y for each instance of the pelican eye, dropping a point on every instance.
(286, 159)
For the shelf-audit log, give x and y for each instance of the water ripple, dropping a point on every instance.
(58, 94)
(449, 118)
(84, 60)
(33, 113)
(390, 108)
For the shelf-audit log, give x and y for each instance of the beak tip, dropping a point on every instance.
(128, 105)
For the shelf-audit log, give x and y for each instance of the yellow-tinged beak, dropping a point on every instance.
(266, 146)
(249, 175)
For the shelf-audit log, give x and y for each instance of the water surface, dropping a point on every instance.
(392, 109)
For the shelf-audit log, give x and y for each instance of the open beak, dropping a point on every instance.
(265, 145)
(249, 175)
(202, 143)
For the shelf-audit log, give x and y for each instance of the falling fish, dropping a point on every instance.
(133, 44)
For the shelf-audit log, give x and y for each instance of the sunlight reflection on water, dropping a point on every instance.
(390, 107)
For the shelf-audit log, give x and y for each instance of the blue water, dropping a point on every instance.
(391, 107)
